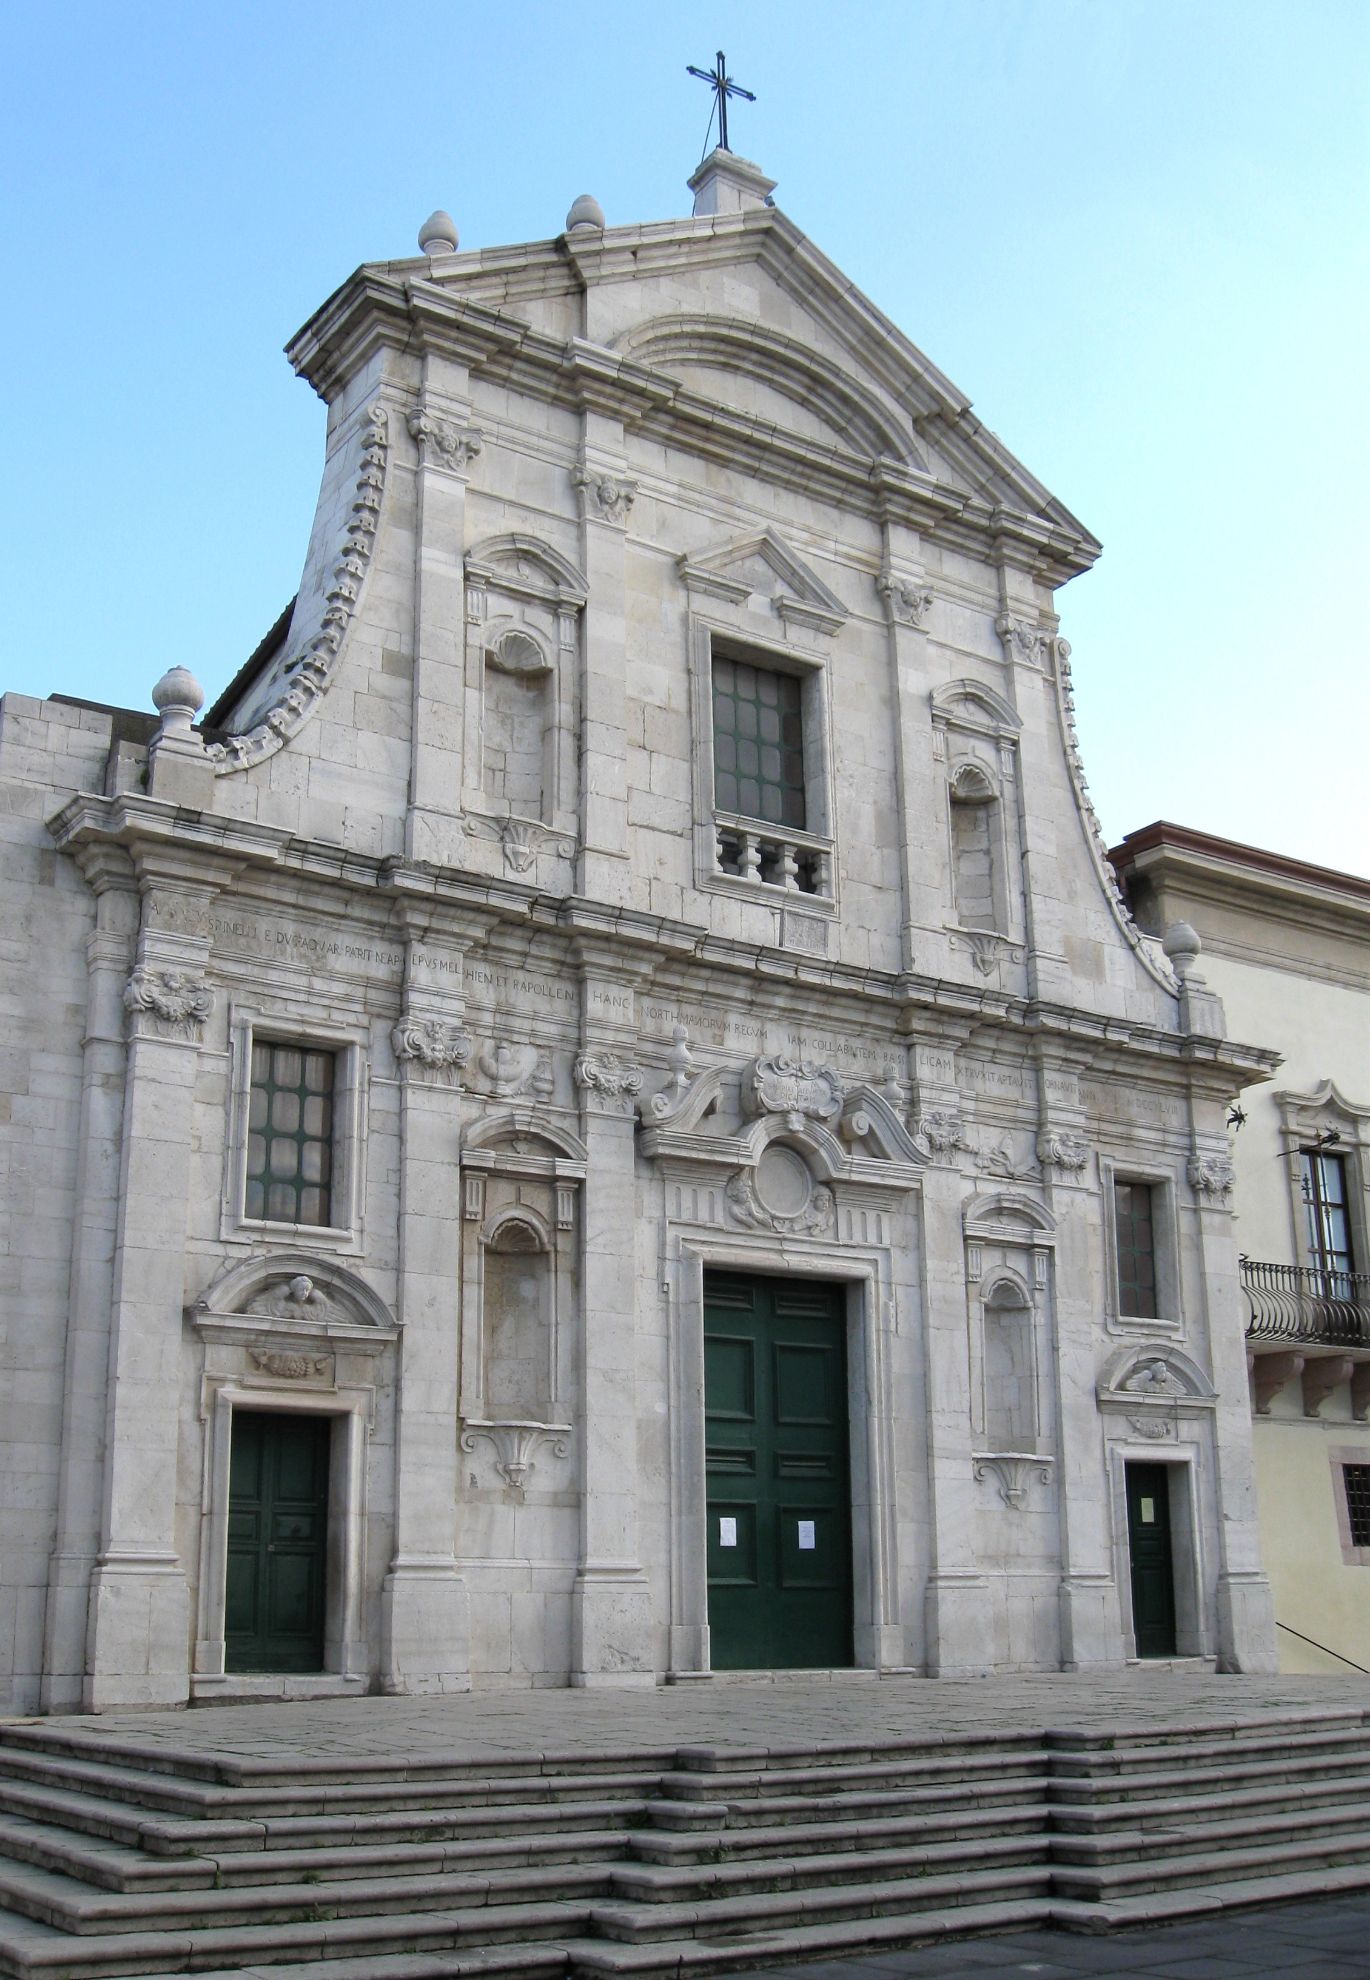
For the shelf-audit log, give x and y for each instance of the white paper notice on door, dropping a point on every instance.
(807, 1542)
(727, 1532)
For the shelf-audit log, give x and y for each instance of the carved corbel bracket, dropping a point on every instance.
(1322, 1374)
(514, 1443)
(1012, 1471)
(987, 949)
(1269, 1374)
(521, 839)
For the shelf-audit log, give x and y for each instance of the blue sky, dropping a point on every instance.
(1134, 232)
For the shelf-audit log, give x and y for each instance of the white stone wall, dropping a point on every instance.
(563, 1014)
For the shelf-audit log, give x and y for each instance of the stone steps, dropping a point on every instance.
(121, 1861)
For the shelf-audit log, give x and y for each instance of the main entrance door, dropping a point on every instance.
(778, 1482)
(277, 1535)
(1153, 1566)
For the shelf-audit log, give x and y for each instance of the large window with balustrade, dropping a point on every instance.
(767, 811)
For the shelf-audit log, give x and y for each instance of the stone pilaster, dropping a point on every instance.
(606, 497)
(425, 1606)
(956, 1606)
(611, 1614)
(909, 601)
(447, 443)
(109, 956)
(138, 1649)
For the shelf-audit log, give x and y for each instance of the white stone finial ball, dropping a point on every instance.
(177, 697)
(585, 212)
(438, 234)
(1182, 945)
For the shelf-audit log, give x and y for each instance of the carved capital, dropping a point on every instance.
(1067, 1152)
(167, 1003)
(942, 1131)
(608, 497)
(907, 601)
(442, 442)
(431, 1045)
(1211, 1175)
(1024, 641)
(610, 1081)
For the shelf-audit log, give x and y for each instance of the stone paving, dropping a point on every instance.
(1314, 1940)
(496, 1725)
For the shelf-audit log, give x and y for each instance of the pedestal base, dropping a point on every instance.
(425, 1631)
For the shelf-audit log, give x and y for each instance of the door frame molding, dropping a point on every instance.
(344, 1654)
(865, 1272)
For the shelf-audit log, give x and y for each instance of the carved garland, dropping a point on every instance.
(1065, 696)
(306, 678)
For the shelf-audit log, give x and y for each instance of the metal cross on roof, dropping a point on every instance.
(723, 87)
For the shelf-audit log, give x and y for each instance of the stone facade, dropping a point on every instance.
(587, 1023)
(1287, 947)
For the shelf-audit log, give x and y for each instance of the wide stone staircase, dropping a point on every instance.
(123, 1859)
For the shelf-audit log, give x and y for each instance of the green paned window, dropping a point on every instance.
(758, 744)
(290, 1135)
(1134, 1226)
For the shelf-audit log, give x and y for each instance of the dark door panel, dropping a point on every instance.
(1153, 1565)
(277, 1542)
(779, 1498)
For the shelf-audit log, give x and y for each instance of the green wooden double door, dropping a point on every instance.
(778, 1489)
(1152, 1559)
(277, 1542)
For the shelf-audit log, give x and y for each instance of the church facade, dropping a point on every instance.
(600, 1116)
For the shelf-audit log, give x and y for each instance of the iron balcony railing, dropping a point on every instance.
(1302, 1303)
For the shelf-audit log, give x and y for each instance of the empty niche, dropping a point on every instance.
(517, 1321)
(1010, 1402)
(977, 858)
(517, 726)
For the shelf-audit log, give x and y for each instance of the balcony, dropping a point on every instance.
(1311, 1326)
(1300, 1303)
(768, 856)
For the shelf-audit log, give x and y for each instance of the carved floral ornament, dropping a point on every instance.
(172, 1003)
(306, 676)
(1011, 1471)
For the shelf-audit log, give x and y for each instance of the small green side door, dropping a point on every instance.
(778, 1490)
(1153, 1565)
(277, 1542)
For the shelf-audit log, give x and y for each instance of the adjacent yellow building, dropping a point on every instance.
(1287, 948)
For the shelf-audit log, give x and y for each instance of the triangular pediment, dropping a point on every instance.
(761, 568)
